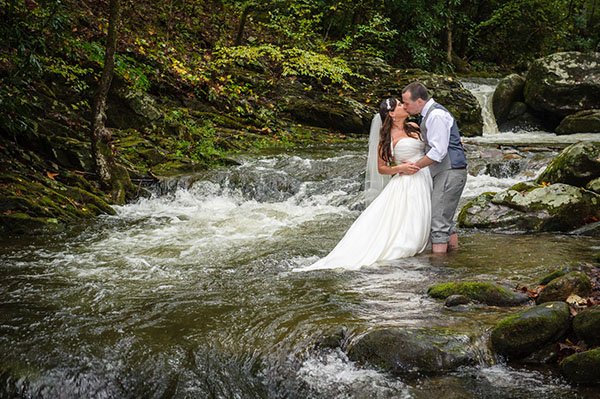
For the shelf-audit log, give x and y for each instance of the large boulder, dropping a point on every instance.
(343, 114)
(524, 207)
(508, 91)
(577, 165)
(582, 368)
(490, 294)
(131, 109)
(559, 289)
(414, 351)
(528, 331)
(563, 83)
(587, 121)
(586, 325)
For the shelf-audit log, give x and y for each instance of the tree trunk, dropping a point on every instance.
(242, 26)
(449, 27)
(113, 177)
(449, 43)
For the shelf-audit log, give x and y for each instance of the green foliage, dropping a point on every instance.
(132, 71)
(73, 74)
(372, 38)
(291, 62)
(202, 143)
(519, 30)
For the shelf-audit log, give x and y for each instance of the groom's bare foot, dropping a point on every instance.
(453, 243)
(439, 248)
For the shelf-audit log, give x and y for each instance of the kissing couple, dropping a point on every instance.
(415, 176)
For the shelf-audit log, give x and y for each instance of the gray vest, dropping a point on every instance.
(456, 154)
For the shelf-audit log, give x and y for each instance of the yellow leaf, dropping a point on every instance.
(51, 175)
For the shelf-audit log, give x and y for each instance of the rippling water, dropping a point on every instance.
(190, 293)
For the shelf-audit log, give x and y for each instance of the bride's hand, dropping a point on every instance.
(408, 168)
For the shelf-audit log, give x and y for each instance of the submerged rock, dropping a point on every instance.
(488, 293)
(414, 351)
(583, 368)
(586, 325)
(528, 331)
(561, 288)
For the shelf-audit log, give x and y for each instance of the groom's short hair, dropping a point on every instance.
(417, 90)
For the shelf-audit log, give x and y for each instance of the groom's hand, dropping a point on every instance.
(409, 168)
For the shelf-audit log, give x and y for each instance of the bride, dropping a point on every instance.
(396, 224)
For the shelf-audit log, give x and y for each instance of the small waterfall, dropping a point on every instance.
(483, 90)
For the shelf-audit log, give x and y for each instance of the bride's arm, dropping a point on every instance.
(406, 168)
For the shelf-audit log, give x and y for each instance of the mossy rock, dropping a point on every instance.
(508, 90)
(586, 325)
(22, 223)
(488, 293)
(582, 368)
(576, 165)
(551, 276)
(414, 351)
(559, 207)
(563, 83)
(594, 185)
(561, 288)
(519, 335)
(586, 121)
(341, 114)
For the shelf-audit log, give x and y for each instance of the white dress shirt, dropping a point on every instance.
(439, 125)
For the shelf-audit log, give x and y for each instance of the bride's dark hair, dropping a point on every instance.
(385, 134)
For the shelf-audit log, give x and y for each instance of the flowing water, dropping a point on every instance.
(191, 294)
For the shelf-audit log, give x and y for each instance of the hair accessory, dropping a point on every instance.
(387, 103)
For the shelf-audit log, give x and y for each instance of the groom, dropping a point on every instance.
(445, 156)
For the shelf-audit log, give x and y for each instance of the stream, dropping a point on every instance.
(190, 293)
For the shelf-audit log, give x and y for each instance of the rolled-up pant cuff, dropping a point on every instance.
(440, 238)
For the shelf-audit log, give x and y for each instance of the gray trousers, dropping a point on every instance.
(448, 186)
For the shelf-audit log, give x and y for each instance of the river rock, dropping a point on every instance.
(488, 293)
(583, 368)
(342, 114)
(586, 325)
(525, 207)
(594, 185)
(587, 121)
(455, 300)
(509, 90)
(130, 109)
(561, 288)
(577, 165)
(590, 230)
(528, 331)
(551, 276)
(563, 83)
(414, 351)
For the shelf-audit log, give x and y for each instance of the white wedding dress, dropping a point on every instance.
(395, 225)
